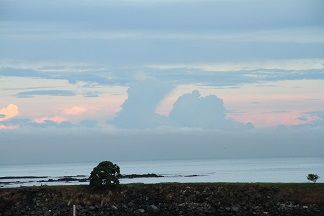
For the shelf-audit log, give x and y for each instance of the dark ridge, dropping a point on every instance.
(22, 177)
(148, 175)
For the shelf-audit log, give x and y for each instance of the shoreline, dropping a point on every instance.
(19, 181)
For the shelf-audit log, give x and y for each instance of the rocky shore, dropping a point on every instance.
(166, 199)
(39, 180)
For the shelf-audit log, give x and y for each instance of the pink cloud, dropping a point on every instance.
(75, 110)
(272, 119)
(9, 112)
(166, 105)
(56, 119)
(8, 127)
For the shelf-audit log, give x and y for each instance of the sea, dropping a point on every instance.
(284, 170)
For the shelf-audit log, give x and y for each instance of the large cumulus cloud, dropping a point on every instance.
(193, 110)
(138, 111)
(189, 111)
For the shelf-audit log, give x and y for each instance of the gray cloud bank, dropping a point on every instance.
(48, 146)
(51, 92)
(183, 15)
(180, 75)
(150, 32)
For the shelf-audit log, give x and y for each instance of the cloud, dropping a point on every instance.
(8, 112)
(75, 110)
(189, 111)
(30, 94)
(226, 73)
(52, 124)
(89, 123)
(54, 119)
(55, 122)
(295, 35)
(91, 94)
(274, 119)
(223, 30)
(172, 15)
(8, 127)
(138, 111)
(312, 120)
(193, 110)
(44, 145)
(319, 116)
(72, 72)
(287, 64)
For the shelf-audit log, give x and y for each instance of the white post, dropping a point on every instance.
(74, 210)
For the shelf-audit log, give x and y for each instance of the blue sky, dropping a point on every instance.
(149, 67)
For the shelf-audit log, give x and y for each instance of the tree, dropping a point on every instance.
(312, 177)
(105, 174)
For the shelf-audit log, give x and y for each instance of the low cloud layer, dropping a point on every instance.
(30, 94)
(317, 120)
(40, 122)
(54, 119)
(212, 73)
(92, 145)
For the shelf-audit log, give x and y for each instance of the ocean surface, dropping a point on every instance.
(220, 170)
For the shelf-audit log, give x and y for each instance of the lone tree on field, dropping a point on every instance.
(313, 177)
(104, 175)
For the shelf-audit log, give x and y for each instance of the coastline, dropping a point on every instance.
(19, 181)
(167, 199)
(276, 170)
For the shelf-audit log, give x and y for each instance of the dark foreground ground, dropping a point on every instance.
(166, 199)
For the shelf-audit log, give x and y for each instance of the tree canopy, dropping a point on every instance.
(105, 174)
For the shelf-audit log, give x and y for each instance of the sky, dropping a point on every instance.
(85, 80)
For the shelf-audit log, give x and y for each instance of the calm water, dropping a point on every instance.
(222, 170)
